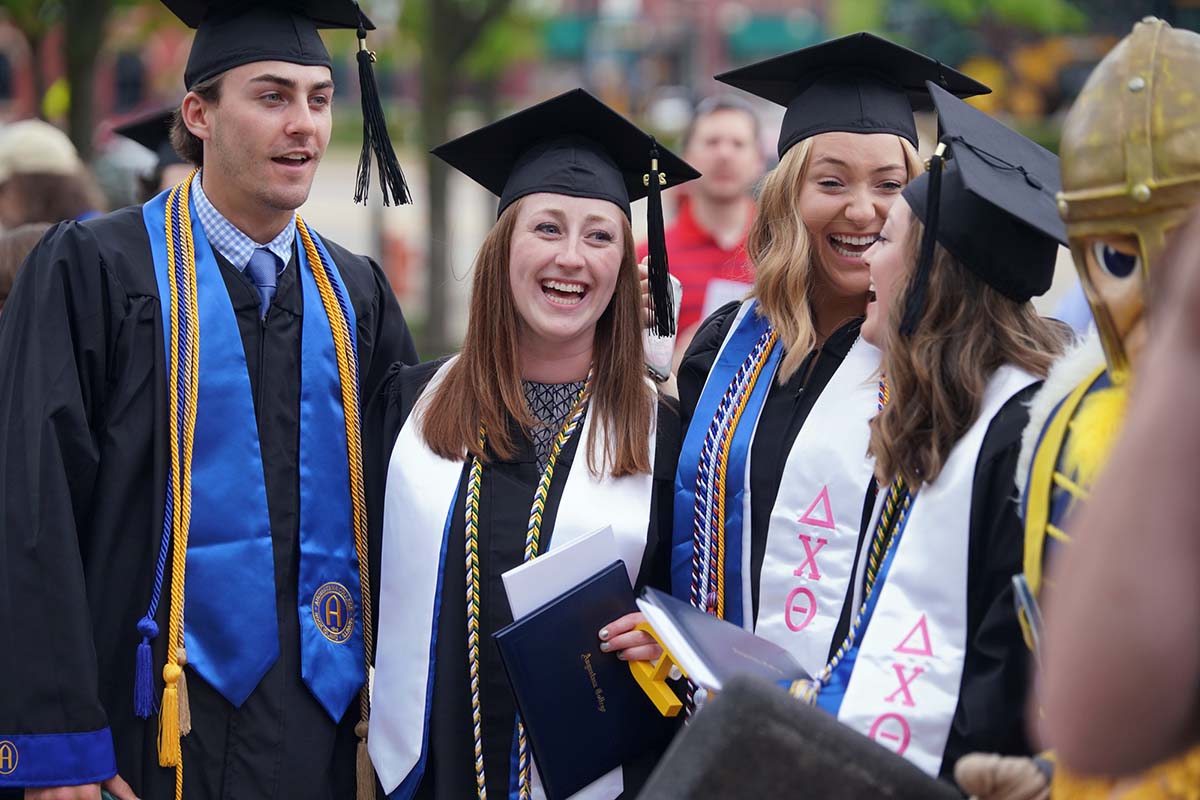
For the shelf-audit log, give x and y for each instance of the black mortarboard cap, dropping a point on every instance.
(991, 204)
(859, 83)
(573, 144)
(153, 132)
(230, 33)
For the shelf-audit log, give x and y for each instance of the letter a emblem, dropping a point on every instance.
(824, 519)
(911, 647)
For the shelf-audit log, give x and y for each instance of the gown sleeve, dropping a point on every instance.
(656, 563)
(991, 710)
(53, 362)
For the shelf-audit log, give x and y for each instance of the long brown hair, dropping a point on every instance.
(936, 377)
(780, 248)
(483, 385)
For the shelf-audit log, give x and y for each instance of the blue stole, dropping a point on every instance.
(230, 618)
(734, 352)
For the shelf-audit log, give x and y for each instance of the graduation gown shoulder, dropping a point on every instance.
(83, 453)
(990, 714)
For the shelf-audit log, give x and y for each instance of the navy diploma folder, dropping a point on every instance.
(583, 711)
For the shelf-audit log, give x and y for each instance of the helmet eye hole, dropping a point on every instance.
(1113, 261)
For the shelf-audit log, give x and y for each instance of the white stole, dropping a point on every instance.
(904, 689)
(821, 492)
(812, 537)
(422, 490)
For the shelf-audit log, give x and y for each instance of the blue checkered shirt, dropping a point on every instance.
(231, 243)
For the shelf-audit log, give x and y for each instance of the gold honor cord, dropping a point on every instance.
(178, 219)
(532, 540)
(347, 360)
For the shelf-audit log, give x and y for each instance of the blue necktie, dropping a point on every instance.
(262, 269)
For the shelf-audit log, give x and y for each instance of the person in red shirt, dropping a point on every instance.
(706, 242)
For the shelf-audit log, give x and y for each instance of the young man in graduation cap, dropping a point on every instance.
(180, 435)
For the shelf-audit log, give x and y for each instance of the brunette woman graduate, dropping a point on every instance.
(934, 664)
(776, 392)
(542, 429)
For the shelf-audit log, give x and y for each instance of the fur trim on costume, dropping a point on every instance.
(1068, 372)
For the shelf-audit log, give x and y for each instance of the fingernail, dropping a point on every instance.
(605, 647)
(604, 633)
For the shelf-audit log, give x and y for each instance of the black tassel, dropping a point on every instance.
(375, 137)
(915, 306)
(660, 281)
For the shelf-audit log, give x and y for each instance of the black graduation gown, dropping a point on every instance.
(783, 415)
(83, 453)
(505, 498)
(990, 716)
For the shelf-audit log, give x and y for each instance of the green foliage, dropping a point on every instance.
(848, 16)
(511, 39)
(1043, 16)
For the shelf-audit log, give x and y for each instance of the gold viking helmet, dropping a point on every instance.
(1131, 170)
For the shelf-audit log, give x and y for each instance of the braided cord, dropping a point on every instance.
(708, 543)
(184, 379)
(532, 541)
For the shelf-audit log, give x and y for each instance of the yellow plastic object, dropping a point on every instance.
(652, 677)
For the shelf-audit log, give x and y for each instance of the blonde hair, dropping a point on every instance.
(780, 249)
(937, 376)
(483, 386)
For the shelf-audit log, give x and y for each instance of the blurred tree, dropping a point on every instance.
(476, 40)
(84, 27)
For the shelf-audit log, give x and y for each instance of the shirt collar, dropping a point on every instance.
(235, 246)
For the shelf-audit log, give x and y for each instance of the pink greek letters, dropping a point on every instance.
(800, 607)
(801, 601)
(891, 729)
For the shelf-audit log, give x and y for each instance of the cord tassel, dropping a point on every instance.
(660, 282)
(375, 137)
(914, 307)
(168, 719)
(185, 707)
(143, 680)
(363, 768)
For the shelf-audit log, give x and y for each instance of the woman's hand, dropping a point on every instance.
(620, 637)
(91, 791)
(644, 284)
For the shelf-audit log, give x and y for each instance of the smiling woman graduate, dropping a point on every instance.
(934, 664)
(776, 391)
(542, 429)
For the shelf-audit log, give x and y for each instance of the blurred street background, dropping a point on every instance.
(447, 66)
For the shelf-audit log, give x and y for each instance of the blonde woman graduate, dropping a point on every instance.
(934, 664)
(776, 391)
(543, 428)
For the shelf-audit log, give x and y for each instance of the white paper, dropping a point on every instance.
(670, 637)
(535, 583)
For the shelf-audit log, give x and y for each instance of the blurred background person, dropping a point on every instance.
(707, 241)
(42, 178)
(153, 132)
(15, 244)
